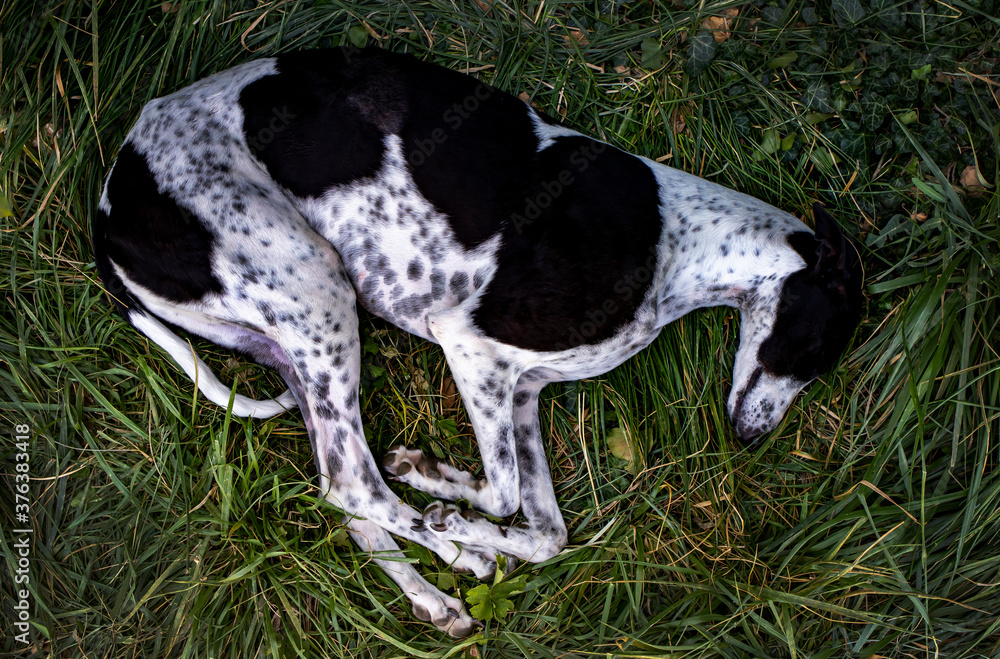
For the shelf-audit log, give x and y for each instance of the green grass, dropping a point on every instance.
(866, 525)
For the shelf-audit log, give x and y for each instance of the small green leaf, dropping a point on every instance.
(509, 587)
(770, 142)
(848, 12)
(787, 142)
(908, 117)
(339, 538)
(622, 448)
(490, 602)
(851, 83)
(702, 52)
(782, 60)
(873, 111)
(813, 118)
(446, 581)
(420, 553)
(358, 36)
(921, 73)
(908, 90)
(479, 599)
(6, 210)
(823, 159)
(817, 96)
(652, 55)
(447, 427)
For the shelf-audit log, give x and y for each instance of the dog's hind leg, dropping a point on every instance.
(305, 325)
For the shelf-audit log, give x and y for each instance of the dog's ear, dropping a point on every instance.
(833, 254)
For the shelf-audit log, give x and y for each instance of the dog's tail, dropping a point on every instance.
(201, 374)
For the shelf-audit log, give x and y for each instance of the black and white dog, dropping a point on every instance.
(254, 207)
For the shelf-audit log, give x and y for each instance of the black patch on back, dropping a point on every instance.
(818, 311)
(580, 254)
(159, 245)
(470, 147)
(321, 119)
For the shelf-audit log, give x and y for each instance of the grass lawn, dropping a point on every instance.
(866, 525)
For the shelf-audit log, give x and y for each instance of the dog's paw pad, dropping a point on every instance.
(445, 613)
(400, 461)
(443, 517)
(464, 625)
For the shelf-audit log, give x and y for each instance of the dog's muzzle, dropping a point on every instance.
(761, 403)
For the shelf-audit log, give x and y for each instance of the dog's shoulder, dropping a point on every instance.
(325, 117)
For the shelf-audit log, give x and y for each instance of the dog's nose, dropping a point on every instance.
(748, 434)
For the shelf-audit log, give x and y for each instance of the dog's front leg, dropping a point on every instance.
(510, 445)
(485, 380)
(544, 534)
(538, 497)
(429, 604)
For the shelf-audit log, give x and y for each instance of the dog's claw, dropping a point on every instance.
(471, 515)
(436, 516)
(464, 626)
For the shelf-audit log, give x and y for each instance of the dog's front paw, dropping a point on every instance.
(471, 531)
(442, 517)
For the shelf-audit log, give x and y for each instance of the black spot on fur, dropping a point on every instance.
(412, 305)
(326, 411)
(578, 271)
(321, 119)
(161, 246)
(525, 458)
(414, 270)
(437, 284)
(373, 482)
(477, 188)
(459, 285)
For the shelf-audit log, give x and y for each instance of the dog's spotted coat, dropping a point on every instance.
(254, 207)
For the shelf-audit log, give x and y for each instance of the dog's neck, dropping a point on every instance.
(721, 247)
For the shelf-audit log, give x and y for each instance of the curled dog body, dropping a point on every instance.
(258, 206)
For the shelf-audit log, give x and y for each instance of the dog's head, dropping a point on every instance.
(788, 339)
